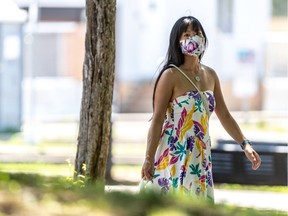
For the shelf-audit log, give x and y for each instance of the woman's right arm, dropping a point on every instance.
(163, 94)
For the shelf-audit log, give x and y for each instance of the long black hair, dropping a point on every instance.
(174, 54)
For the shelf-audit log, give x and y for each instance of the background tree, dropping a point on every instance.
(98, 82)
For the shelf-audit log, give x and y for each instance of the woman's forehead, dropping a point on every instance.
(191, 28)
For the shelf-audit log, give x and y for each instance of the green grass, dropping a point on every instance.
(27, 194)
(38, 168)
(67, 170)
(11, 138)
(280, 189)
(268, 188)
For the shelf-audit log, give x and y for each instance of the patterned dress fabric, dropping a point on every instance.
(183, 157)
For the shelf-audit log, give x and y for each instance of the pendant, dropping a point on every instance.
(197, 78)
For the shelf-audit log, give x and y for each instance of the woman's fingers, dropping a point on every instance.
(251, 157)
(257, 161)
(147, 171)
(254, 158)
(148, 174)
(142, 174)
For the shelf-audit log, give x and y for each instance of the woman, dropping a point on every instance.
(186, 92)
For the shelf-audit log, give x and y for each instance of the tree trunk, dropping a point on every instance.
(98, 82)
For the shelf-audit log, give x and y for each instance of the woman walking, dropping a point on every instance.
(186, 92)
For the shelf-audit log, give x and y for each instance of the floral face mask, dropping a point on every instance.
(193, 46)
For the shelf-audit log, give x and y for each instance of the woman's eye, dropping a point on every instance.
(188, 35)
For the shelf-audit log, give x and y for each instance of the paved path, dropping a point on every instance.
(243, 198)
(254, 199)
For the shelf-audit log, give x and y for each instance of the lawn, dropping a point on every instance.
(30, 194)
(48, 189)
(66, 170)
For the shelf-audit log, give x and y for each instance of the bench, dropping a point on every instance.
(230, 164)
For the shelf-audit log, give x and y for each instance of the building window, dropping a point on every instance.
(225, 15)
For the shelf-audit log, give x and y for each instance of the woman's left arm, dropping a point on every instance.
(231, 126)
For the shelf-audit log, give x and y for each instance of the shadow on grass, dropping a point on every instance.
(30, 194)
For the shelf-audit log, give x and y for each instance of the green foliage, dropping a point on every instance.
(30, 194)
(39, 168)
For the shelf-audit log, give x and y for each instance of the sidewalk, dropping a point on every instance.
(253, 199)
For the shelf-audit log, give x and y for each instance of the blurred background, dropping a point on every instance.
(41, 58)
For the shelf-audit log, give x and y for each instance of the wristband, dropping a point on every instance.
(243, 144)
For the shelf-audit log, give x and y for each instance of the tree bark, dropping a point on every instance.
(98, 82)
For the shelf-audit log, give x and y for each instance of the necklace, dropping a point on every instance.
(197, 78)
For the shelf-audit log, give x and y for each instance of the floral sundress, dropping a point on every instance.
(183, 157)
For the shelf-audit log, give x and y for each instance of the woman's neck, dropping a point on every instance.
(190, 63)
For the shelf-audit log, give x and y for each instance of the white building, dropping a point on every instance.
(247, 48)
(11, 71)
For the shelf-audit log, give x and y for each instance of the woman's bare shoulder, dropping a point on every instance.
(210, 71)
(169, 74)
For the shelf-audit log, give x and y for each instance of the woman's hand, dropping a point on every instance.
(147, 168)
(252, 156)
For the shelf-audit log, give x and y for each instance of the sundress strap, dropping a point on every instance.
(201, 93)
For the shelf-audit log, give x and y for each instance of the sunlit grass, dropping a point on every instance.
(38, 195)
(125, 171)
(11, 139)
(38, 168)
(268, 188)
(21, 142)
